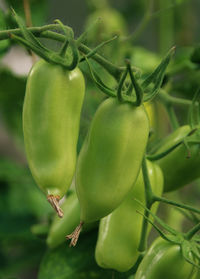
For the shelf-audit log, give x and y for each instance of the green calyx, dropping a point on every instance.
(30, 41)
(71, 51)
(188, 242)
(124, 89)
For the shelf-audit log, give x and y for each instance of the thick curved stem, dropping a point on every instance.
(46, 32)
(143, 24)
(192, 232)
(149, 202)
(172, 117)
(181, 205)
(167, 99)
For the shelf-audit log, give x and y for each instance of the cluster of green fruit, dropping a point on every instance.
(108, 174)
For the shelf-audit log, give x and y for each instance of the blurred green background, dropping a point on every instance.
(25, 215)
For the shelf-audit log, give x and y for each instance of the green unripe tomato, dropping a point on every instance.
(150, 109)
(51, 117)
(120, 232)
(110, 158)
(144, 59)
(164, 261)
(111, 23)
(178, 169)
(175, 218)
(157, 116)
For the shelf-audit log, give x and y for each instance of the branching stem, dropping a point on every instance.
(48, 31)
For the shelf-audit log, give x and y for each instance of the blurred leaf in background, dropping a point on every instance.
(77, 263)
(12, 92)
(39, 11)
(21, 205)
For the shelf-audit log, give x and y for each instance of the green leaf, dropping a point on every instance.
(12, 92)
(77, 262)
(21, 199)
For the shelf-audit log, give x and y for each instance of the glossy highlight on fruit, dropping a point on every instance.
(51, 116)
(110, 158)
(120, 231)
(164, 260)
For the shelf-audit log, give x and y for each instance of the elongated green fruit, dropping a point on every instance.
(178, 168)
(111, 23)
(110, 158)
(120, 231)
(164, 260)
(51, 116)
(59, 228)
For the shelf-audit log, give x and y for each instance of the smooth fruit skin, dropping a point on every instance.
(150, 109)
(144, 59)
(51, 116)
(110, 158)
(120, 231)
(111, 23)
(61, 227)
(178, 170)
(164, 261)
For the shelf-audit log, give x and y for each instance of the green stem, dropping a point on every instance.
(194, 218)
(155, 157)
(5, 34)
(45, 32)
(121, 83)
(149, 201)
(138, 90)
(143, 24)
(166, 26)
(110, 67)
(166, 99)
(147, 185)
(143, 237)
(172, 117)
(181, 205)
(192, 232)
(135, 267)
(98, 47)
